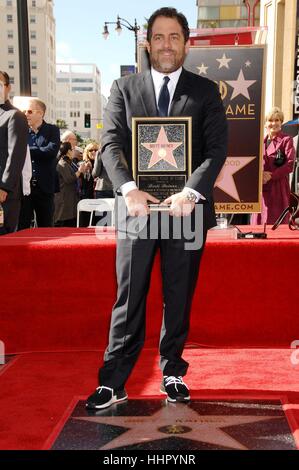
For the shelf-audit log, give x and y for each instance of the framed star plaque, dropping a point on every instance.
(161, 154)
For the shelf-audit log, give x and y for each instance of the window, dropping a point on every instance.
(33, 50)
(10, 34)
(10, 49)
(71, 114)
(34, 80)
(82, 80)
(75, 123)
(77, 89)
(9, 3)
(33, 3)
(12, 80)
(32, 34)
(32, 19)
(9, 18)
(11, 65)
(209, 13)
(87, 104)
(63, 80)
(34, 65)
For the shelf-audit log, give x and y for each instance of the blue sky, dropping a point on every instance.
(79, 27)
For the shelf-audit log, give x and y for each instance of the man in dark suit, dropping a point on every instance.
(13, 145)
(167, 89)
(44, 141)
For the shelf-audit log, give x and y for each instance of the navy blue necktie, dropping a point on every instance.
(163, 102)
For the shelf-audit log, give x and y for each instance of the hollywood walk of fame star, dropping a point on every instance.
(202, 69)
(240, 86)
(225, 180)
(162, 149)
(175, 421)
(223, 62)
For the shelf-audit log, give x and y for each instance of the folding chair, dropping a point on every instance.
(96, 205)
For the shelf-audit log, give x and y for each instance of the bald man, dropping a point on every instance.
(43, 141)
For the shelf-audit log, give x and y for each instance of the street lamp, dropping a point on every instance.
(119, 23)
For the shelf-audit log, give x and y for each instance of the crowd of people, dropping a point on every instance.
(43, 175)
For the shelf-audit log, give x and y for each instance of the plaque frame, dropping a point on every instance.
(170, 175)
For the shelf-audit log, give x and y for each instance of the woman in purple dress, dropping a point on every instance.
(278, 161)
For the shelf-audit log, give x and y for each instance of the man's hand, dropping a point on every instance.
(136, 202)
(267, 176)
(180, 206)
(3, 195)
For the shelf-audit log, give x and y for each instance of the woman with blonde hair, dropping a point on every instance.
(87, 181)
(278, 163)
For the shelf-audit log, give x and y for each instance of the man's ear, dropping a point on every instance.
(148, 47)
(187, 46)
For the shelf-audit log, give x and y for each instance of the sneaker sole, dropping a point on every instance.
(174, 400)
(107, 404)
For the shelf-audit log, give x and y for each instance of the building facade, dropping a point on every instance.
(225, 13)
(42, 49)
(280, 17)
(78, 99)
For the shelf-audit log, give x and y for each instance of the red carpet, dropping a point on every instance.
(38, 391)
(59, 286)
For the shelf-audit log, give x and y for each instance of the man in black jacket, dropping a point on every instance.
(168, 89)
(13, 146)
(43, 140)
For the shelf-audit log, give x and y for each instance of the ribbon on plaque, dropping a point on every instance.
(161, 154)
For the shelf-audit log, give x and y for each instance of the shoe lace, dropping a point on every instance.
(100, 388)
(169, 380)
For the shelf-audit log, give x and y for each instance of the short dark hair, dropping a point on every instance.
(6, 77)
(169, 13)
(64, 148)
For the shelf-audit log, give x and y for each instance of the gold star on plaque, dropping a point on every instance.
(162, 149)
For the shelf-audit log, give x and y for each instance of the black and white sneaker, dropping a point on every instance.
(104, 397)
(175, 389)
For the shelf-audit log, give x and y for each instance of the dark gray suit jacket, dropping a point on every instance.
(13, 147)
(195, 96)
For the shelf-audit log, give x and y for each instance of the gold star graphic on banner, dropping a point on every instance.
(225, 180)
(162, 149)
(223, 62)
(202, 69)
(240, 86)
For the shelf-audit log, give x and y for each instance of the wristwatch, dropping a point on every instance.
(190, 196)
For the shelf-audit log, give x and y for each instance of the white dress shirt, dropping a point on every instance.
(27, 173)
(158, 80)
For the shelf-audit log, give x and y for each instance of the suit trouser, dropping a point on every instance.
(11, 208)
(134, 262)
(42, 204)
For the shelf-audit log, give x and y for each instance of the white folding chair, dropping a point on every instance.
(96, 205)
